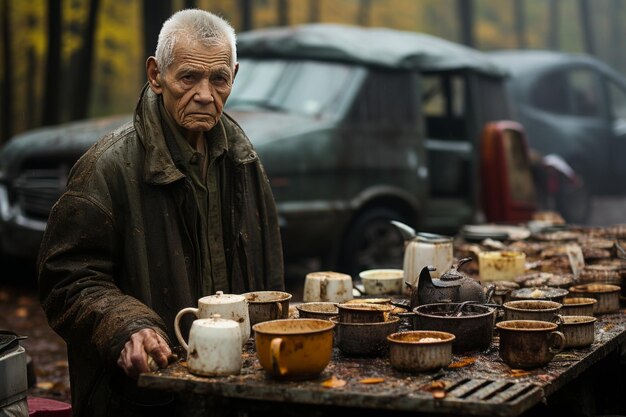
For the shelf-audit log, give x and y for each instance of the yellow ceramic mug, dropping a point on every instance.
(294, 348)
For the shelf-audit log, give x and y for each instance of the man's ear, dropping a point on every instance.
(154, 75)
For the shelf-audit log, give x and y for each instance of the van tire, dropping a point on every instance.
(372, 242)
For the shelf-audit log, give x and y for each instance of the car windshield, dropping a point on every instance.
(308, 88)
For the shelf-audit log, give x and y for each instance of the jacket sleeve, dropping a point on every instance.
(77, 267)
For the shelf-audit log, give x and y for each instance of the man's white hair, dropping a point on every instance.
(193, 25)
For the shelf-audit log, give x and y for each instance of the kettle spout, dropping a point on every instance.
(405, 230)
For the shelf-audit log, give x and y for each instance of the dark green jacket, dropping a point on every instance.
(117, 255)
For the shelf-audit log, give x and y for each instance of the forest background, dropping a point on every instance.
(67, 60)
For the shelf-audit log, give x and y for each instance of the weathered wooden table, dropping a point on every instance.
(478, 384)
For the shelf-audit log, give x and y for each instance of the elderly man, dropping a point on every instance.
(168, 208)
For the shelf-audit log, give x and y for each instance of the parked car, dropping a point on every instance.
(356, 127)
(572, 106)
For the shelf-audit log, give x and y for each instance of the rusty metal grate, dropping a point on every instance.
(485, 390)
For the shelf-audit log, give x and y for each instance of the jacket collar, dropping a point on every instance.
(160, 167)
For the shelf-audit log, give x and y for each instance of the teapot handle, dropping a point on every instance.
(181, 313)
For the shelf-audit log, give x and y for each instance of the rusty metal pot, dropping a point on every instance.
(420, 350)
(472, 325)
(547, 293)
(578, 331)
(363, 313)
(364, 339)
(542, 310)
(606, 294)
(321, 310)
(529, 344)
(578, 306)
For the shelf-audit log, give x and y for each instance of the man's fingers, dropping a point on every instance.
(143, 347)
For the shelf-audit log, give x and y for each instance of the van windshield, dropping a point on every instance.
(307, 88)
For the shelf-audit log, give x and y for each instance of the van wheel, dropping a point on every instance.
(372, 242)
(574, 202)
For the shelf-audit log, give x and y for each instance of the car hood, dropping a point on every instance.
(71, 140)
(67, 139)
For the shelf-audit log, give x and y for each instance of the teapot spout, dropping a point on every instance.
(405, 230)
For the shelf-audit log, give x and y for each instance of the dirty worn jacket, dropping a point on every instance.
(118, 254)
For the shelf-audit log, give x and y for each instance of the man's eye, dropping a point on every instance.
(187, 78)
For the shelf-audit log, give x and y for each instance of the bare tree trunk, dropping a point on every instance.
(6, 117)
(82, 84)
(51, 113)
(465, 9)
(365, 8)
(154, 14)
(246, 14)
(314, 11)
(554, 26)
(586, 26)
(283, 13)
(520, 23)
(31, 75)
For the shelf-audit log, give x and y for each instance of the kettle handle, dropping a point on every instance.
(181, 313)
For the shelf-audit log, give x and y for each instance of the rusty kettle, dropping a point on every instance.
(453, 286)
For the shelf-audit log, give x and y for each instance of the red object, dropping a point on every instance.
(507, 185)
(44, 407)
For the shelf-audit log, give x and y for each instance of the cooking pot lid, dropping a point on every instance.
(479, 232)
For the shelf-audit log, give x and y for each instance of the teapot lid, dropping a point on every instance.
(216, 321)
(432, 238)
(221, 298)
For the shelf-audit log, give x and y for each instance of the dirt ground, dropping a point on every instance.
(21, 313)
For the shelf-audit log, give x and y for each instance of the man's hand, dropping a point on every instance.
(134, 356)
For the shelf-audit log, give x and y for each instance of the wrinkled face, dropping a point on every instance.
(196, 84)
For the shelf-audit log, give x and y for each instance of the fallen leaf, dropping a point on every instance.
(516, 373)
(437, 389)
(437, 385)
(439, 394)
(21, 312)
(371, 380)
(462, 363)
(333, 382)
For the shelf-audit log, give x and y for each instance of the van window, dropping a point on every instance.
(443, 97)
(448, 146)
(569, 92)
(308, 88)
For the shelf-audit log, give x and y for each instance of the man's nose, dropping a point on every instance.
(204, 91)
